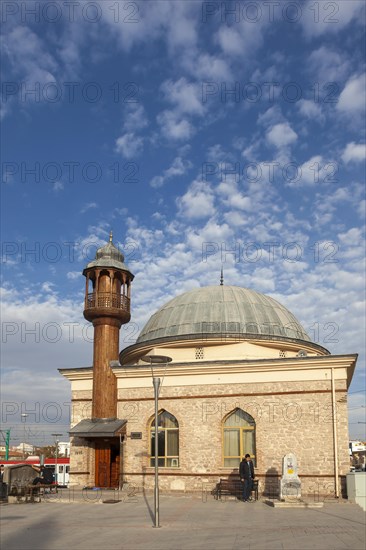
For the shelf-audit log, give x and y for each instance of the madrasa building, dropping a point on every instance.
(241, 375)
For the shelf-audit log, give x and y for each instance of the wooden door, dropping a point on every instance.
(102, 464)
(115, 472)
(107, 463)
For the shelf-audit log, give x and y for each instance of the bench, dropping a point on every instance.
(233, 487)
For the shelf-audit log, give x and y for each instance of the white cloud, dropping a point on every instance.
(86, 247)
(352, 99)
(186, 96)
(232, 197)
(129, 145)
(41, 63)
(140, 238)
(354, 152)
(88, 206)
(361, 209)
(238, 200)
(5, 107)
(352, 237)
(272, 116)
(47, 287)
(70, 50)
(311, 110)
(327, 66)
(281, 135)
(262, 279)
(320, 18)
(28, 55)
(271, 74)
(197, 202)
(243, 38)
(135, 117)
(235, 218)
(174, 127)
(230, 40)
(250, 153)
(47, 333)
(178, 167)
(58, 186)
(309, 173)
(326, 204)
(175, 23)
(182, 27)
(207, 66)
(211, 232)
(216, 153)
(72, 275)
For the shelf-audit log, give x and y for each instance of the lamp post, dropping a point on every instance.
(157, 360)
(56, 456)
(24, 415)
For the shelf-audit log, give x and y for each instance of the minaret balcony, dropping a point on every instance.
(107, 300)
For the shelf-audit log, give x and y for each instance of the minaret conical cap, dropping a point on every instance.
(109, 256)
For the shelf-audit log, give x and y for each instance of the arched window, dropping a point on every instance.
(168, 441)
(238, 437)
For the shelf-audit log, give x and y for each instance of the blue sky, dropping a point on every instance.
(201, 137)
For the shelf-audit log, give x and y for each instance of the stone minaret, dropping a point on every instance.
(107, 306)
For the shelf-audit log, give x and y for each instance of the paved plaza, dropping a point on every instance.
(80, 520)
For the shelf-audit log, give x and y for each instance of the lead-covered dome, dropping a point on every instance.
(109, 256)
(222, 310)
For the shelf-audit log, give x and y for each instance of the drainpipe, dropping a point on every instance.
(335, 438)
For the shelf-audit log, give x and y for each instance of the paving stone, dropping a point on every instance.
(187, 523)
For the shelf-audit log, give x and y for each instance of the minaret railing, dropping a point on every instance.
(107, 300)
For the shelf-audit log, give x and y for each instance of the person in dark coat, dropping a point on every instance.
(45, 476)
(48, 476)
(246, 472)
(39, 479)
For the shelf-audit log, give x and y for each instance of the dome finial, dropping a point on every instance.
(111, 236)
(222, 276)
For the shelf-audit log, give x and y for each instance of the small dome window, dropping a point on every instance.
(199, 352)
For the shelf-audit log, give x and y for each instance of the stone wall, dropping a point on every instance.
(81, 463)
(290, 417)
(287, 420)
(81, 452)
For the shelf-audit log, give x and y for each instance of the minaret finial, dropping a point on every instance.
(222, 276)
(111, 236)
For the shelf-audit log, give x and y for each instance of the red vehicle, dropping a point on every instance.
(63, 467)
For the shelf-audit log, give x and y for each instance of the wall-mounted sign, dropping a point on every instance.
(136, 435)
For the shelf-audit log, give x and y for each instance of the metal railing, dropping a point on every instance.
(107, 300)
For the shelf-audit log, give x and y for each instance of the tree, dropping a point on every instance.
(49, 451)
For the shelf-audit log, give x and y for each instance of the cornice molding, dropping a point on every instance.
(82, 373)
(222, 367)
(235, 366)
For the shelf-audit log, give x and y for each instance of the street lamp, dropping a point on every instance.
(56, 455)
(24, 415)
(157, 360)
